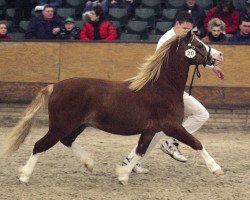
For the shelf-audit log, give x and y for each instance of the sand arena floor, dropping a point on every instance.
(58, 175)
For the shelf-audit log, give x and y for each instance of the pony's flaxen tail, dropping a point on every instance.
(22, 129)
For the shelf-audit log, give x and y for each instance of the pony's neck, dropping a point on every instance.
(175, 71)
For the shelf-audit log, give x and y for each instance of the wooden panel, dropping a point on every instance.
(19, 92)
(27, 66)
(208, 96)
(236, 67)
(228, 97)
(115, 61)
(211, 97)
(30, 62)
(237, 96)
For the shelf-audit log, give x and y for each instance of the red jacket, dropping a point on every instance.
(107, 31)
(232, 20)
(5, 37)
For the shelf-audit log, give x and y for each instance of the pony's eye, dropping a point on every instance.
(200, 46)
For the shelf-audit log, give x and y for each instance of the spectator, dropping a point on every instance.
(4, 31)
(216, 31)
(52, 3)
(226, 12)
(22, 12)
(89, 4)
(114, 3)
(130, 6)
(45, 26)
(98, 28)
(10, 3)
(69, 31)
(244, 33)
(197, 13)
(245, 12)
(241, 5)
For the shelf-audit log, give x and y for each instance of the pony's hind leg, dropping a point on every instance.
(27, 170)
(123, 172)
(41, 145)
(69, 141)
(183, 136)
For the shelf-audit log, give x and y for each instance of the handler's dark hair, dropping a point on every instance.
(184, 17)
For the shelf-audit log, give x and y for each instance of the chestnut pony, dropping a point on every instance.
(148, 103)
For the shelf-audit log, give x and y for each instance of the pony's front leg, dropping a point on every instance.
(123, 172)
(210, 162)
(183, 136)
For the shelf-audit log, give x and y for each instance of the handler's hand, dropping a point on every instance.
(219, 72)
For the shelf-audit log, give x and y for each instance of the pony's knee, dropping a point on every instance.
(197, 145)
(67, 143)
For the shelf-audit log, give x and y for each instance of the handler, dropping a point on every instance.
(196, 112)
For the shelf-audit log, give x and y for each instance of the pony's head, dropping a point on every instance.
(196, 52)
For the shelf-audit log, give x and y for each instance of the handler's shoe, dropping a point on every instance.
(173, 151)
(137, 168)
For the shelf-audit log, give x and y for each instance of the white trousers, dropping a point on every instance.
(196, 114)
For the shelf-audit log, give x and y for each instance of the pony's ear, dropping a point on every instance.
(189, 35)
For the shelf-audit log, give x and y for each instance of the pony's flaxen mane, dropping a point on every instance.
(151, 68)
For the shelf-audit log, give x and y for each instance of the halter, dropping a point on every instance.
(196, 69)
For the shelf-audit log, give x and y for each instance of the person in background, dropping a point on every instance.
(45, 26)
(53, 3)
(114, 4)
(245, 12)
(98, 28)
(4, 31)
(130, 6)
(89, 4)
(22, 12)
(197, 13)
(216, 31)
(69, 31)
(226, 12)
(240, 5)
(243, 35)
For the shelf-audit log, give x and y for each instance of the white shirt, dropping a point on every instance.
(168, 35)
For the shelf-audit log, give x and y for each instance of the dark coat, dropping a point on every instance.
(42, 29)
(5, 37)
(69, 35)
(210, 38)
(238, 38)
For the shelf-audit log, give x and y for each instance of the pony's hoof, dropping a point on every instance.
(24, 179)
(89, 164)
(123, 182)
(123, 174)
(218, 172)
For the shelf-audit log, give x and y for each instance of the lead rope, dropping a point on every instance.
(197, 72)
